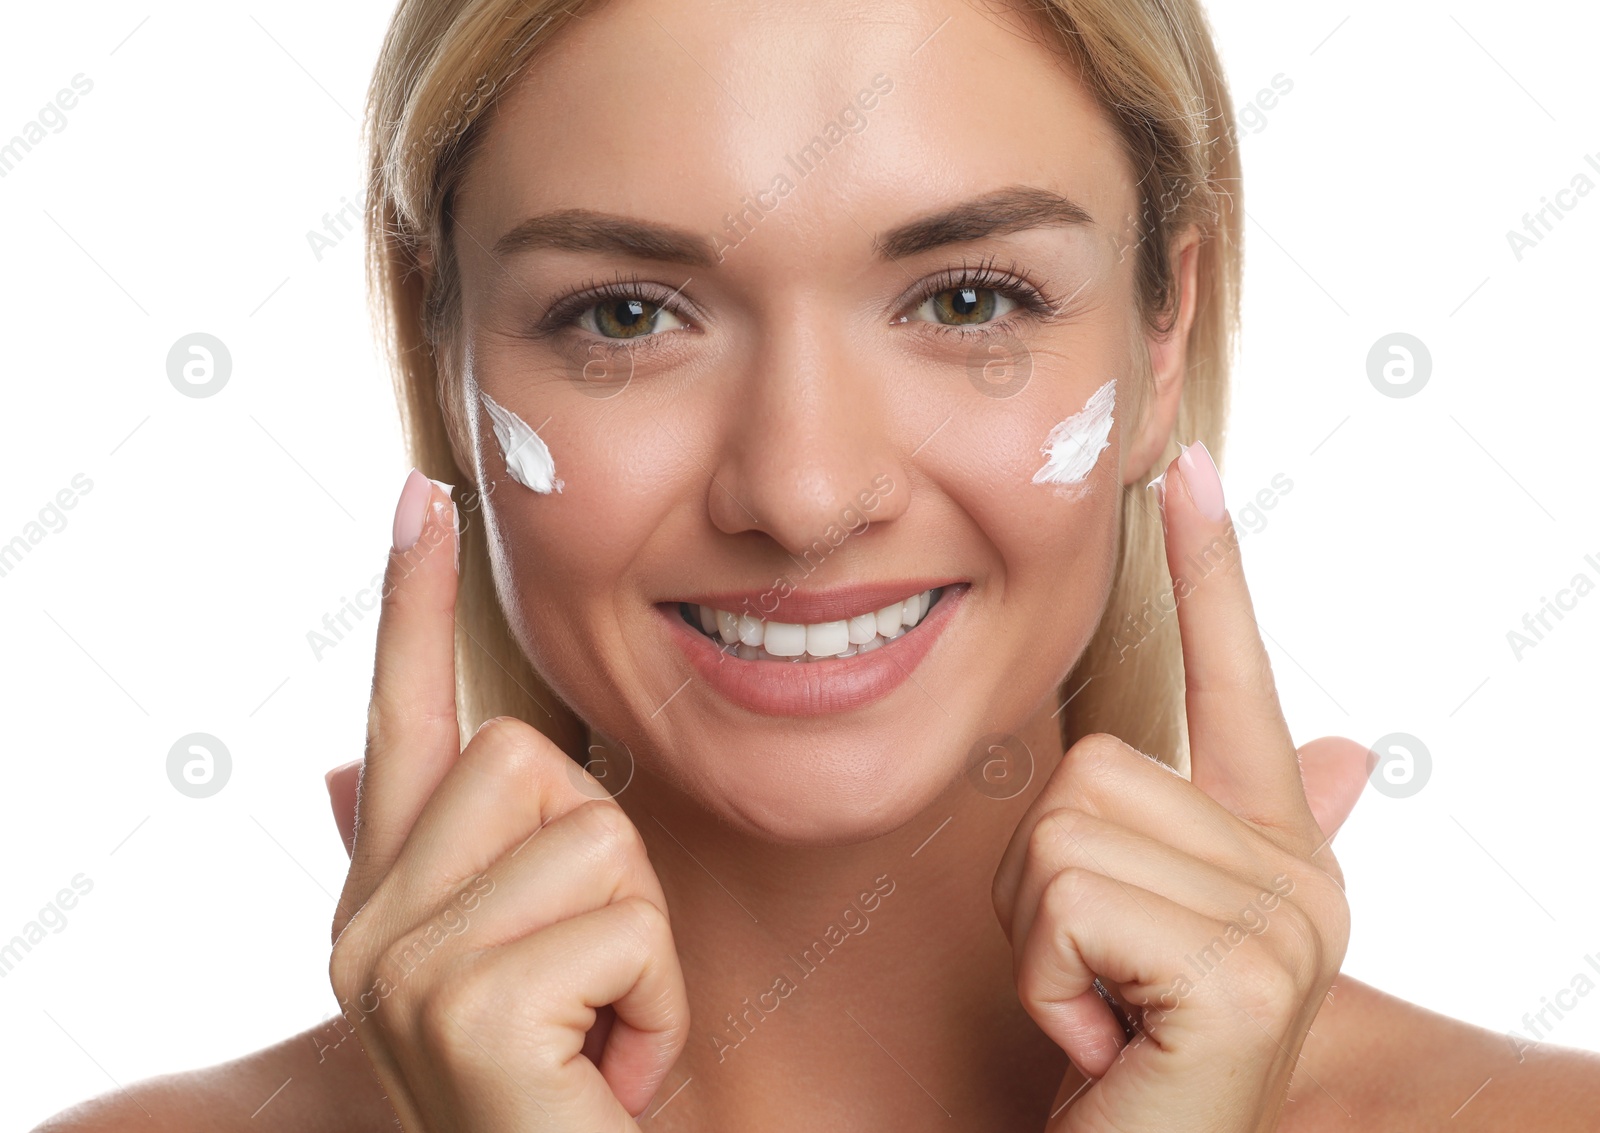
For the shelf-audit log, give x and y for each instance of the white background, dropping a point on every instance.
(218, 531)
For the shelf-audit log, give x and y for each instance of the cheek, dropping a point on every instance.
(1053, 544)
(563, 562)
(1050, 448)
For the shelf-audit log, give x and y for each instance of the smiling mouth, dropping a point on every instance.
(759, 639)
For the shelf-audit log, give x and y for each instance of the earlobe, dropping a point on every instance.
(1168, 361)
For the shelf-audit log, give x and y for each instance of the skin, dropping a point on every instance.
(787, 385)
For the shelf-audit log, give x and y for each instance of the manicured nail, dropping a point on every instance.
(339, 770)
(343, 783)
(409, 512)
(452, 521)
(1200, 477)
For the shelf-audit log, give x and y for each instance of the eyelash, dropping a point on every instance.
(566, 309)
(1033, 298)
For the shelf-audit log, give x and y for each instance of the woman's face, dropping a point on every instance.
(866, 258)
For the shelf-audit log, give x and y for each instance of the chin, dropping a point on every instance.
(830, 787)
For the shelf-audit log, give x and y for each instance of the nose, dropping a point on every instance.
(813, 448)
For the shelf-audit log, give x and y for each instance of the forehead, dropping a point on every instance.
(684, 114)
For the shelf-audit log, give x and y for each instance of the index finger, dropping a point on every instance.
(1241, 753)
(412, 734)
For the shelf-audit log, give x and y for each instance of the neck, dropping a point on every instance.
(877, 968)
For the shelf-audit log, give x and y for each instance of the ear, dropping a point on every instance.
(1169, 357)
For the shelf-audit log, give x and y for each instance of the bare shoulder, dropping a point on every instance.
(300, 1085)
(1375, 1061)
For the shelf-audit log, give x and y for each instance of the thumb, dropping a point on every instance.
(342, 783)
(1334, 770)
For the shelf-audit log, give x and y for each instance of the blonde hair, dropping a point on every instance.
(1152, 66)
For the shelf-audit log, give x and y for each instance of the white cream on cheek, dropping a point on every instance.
(527, 456)
(1073, 447)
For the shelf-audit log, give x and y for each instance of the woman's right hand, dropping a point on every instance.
(498, 898)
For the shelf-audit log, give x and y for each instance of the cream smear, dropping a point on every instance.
(1073, 447)
(527, 456)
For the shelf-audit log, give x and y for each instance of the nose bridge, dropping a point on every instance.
(812, 440)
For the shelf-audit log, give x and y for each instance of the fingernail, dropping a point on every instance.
(340, 770)
(1200, 477)
(453, 521)
(343, 783)
(410, 511)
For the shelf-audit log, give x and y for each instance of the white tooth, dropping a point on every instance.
(708, 620)
(868, 647)
(827, 639)
(848, 651)
(728, 626)
(751, 630)
(888, 618)
(784, 639)
(913, 611)
(863, 629)
(748, 652)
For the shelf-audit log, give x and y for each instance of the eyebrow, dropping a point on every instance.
(585, 230)
(1011, 209)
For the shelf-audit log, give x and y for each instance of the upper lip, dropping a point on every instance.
(811, 606)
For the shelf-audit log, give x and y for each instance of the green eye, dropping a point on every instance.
(964, 305)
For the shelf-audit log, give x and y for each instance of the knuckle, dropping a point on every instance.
(351, 964)
(1056, 834)
(1278, 966)
(1327, 911)
(504, 748)
(610, 826)
(1067, 895)
(454, 1008)
(1096, 749)
(1095, 761)
(1239, 669)
(396, 962)
(1305, 945)
(347, 966)
(644, 921)
(1265, 987)
(1337, 934)
(611, 832)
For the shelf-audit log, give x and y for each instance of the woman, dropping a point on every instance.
(826, 393)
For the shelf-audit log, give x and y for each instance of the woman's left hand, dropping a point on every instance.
(1212, 907)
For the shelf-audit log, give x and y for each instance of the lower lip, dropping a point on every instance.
(812, 688)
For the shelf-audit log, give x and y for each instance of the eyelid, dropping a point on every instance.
(1033, 297)
(563, 313)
